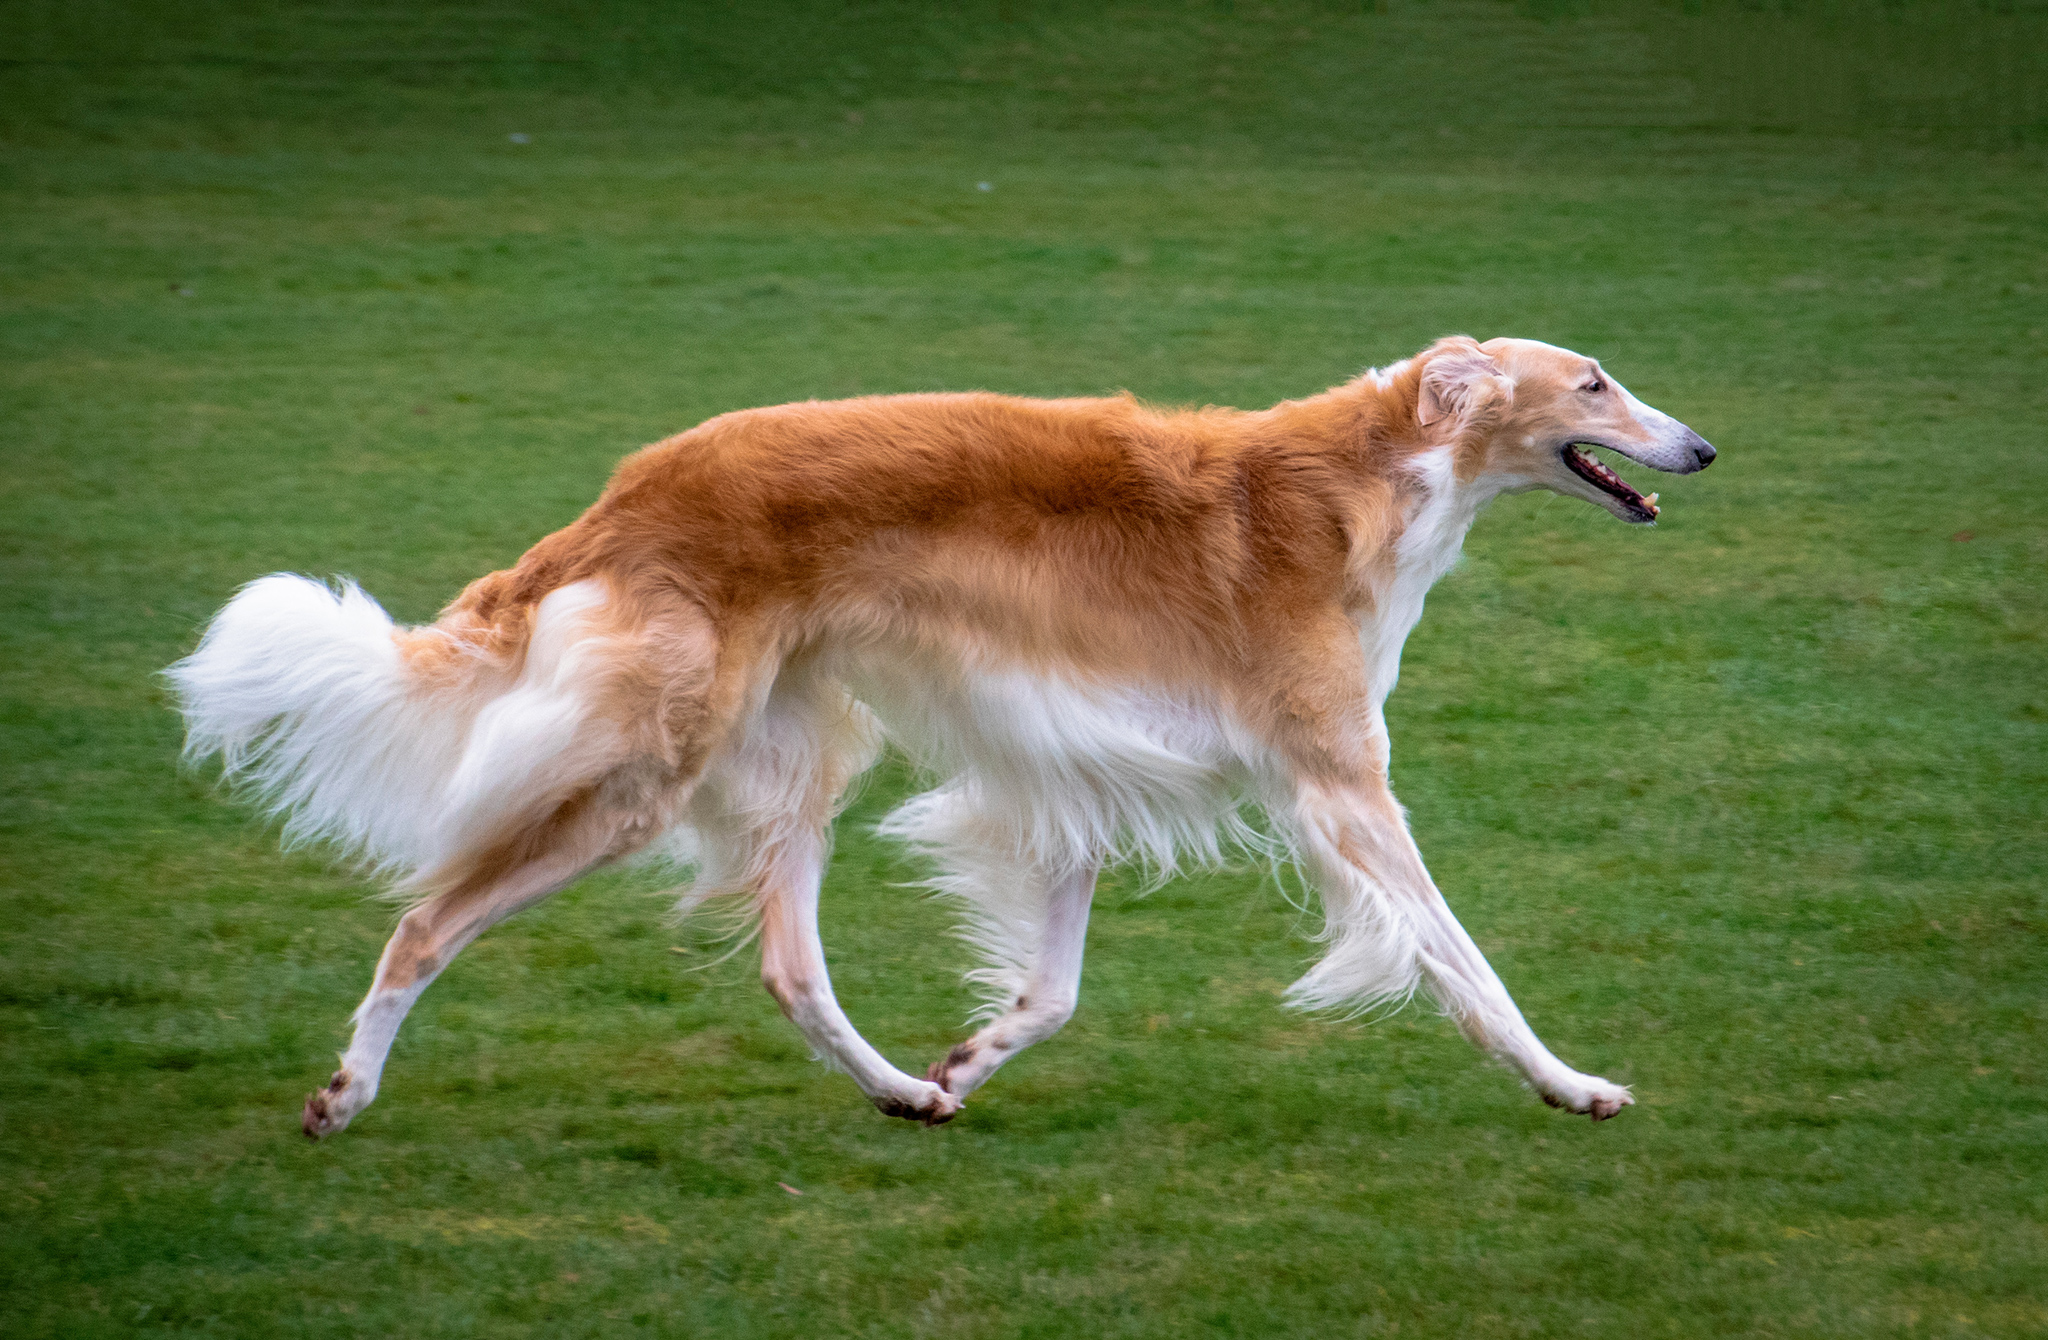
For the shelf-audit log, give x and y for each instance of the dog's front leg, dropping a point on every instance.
(1389, 927)
(1052, 986)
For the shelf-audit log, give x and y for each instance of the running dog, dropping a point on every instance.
(1104, 628)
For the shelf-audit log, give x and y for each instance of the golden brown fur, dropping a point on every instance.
(1100, 535)
(1261, 566)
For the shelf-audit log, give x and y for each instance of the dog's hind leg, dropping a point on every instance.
(793, 969)
(764, 817)
(668, 715)
(1045, 925)
(579, 836)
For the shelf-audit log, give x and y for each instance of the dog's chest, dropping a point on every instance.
(1428, 547)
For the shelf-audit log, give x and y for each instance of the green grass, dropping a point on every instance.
(1748, 810)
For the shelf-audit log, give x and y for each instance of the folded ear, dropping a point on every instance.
(1459, 380)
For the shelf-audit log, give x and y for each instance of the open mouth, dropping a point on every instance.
(1638, 507)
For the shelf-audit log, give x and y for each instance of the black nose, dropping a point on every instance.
(1703, 449)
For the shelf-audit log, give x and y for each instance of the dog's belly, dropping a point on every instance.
(1058, 769)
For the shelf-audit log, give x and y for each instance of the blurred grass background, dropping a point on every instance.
(1748, 810)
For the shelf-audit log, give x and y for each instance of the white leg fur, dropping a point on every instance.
(427, 940)
(1391, 931)
(1051, 986)
(1461, 978)
(762, 821)
(1025, 919)
(793, 968)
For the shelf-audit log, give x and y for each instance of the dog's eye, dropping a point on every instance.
(1594, 387)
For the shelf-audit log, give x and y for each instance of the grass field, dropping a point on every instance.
(1748, 810)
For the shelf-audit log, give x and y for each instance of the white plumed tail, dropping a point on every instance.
(309, 695)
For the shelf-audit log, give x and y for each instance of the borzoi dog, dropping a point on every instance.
(1103, 627)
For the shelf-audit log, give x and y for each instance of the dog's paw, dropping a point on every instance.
(1590, 1096)
(928, 1103)
(330, 1109)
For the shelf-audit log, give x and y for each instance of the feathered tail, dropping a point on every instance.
(411, 748)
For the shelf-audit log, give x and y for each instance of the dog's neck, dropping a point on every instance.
(1407, 511)
(1437, 513)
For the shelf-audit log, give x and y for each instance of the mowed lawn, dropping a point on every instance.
(1748, 809)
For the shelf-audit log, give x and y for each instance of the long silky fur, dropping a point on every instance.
(311, 696)
(1105, 633)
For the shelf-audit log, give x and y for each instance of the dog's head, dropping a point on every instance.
(1527, 414)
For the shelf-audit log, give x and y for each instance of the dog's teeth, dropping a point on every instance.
(1652, 500)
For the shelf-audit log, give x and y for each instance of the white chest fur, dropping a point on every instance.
(1428, 547)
